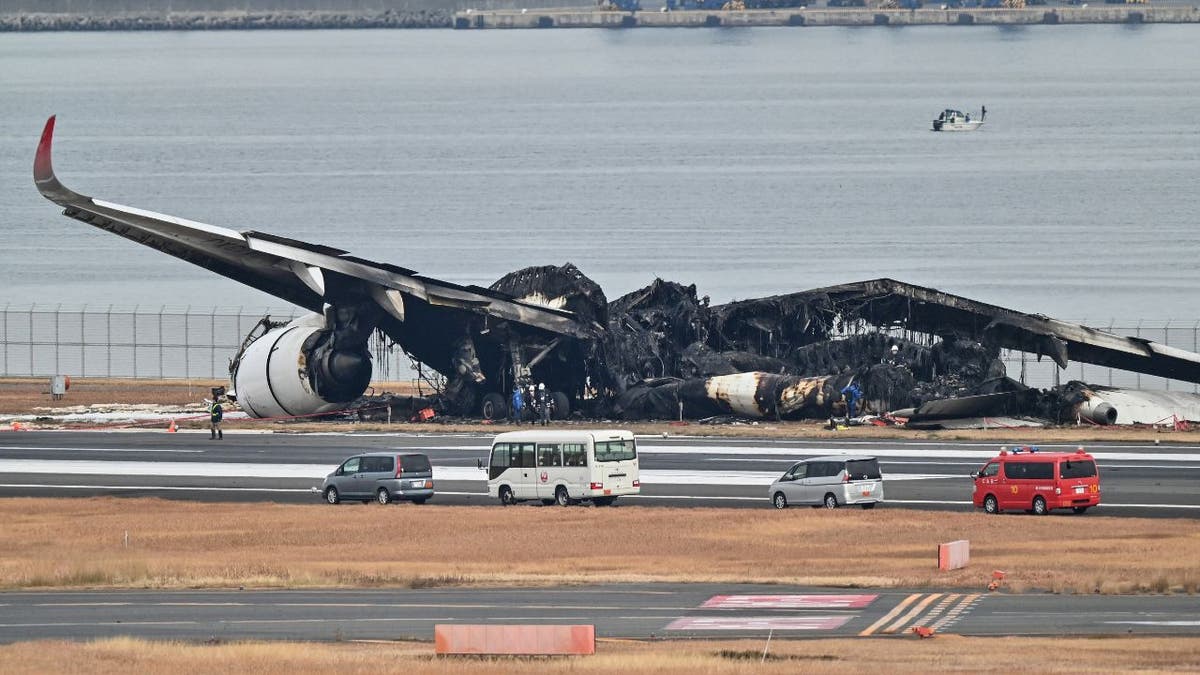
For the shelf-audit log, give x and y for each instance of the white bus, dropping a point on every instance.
(563, 467)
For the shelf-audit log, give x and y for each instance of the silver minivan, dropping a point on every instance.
(831, 482)
(382, 476)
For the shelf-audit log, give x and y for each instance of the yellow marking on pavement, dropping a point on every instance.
(890, 615)
(912, 613)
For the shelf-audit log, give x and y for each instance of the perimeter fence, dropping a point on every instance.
(168, 342)
(160, 342)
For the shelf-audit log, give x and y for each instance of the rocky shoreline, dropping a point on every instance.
(35, 22)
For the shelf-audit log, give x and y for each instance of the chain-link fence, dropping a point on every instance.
(189, 342)
(142, 342)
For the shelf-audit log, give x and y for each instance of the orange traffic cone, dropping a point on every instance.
(171, 427)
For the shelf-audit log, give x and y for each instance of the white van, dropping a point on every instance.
(563, 466)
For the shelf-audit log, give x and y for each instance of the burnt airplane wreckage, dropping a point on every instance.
(657, 353)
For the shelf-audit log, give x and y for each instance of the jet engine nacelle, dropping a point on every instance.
(294, 370)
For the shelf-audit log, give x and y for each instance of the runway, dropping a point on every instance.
(639, 611)
(1137, 479)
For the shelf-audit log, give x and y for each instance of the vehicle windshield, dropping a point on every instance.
(863, 469)
(413, 463)
(1078, 468)
(615, 451)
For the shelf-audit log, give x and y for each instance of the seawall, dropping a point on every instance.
(566, 18)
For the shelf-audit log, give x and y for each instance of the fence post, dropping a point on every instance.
(1167, 341)
(6, 337)
(31, 340)
(108, 341)
(1139, 334)
(212, 341)
(82, 342)
(187, 343)
(57, 314)
(136, 309)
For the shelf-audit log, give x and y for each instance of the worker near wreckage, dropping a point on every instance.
(852, 392)
(518, 402)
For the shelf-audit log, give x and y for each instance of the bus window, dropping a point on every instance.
(549, 454)
(574, 454)
(614, 451)
(527, 455)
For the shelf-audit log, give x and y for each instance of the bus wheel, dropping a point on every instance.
(1080, 509)
(561, 497)
(493, 407)
(506, 496)
(1039, 506)
(990, 505)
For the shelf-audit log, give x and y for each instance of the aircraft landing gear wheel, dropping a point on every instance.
(492, 407)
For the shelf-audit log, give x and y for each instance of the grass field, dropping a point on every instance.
(75, 543)
(947, 653)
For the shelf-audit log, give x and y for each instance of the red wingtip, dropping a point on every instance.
(42, 169)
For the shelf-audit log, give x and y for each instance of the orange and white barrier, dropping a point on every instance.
(954, 555)
(514, 639)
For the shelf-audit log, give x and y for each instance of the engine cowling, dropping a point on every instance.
(295, 370)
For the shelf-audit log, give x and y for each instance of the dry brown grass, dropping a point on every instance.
(30, 395)
(80, 543)
(946, 653)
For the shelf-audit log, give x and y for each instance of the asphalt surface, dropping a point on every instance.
(617, 611)
(1136, 479)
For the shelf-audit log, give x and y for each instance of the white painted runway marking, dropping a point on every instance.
(813, 601)
(759, 623)
(40, 448)
(1157, 623)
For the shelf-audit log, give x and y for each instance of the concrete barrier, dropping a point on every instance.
(514, 639)
(954, 555)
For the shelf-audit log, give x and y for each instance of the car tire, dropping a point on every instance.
(561, 497)
(506, 496)
(332, 496)
(779, 500)
(867, 507)
(990, 505)
(383, 496)
(831, 501)
(1079, 509)
(1039, 506)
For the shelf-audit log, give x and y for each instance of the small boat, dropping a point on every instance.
(953, 120)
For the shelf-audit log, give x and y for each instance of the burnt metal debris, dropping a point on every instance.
(662, 352)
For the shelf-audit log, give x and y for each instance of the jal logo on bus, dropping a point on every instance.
(545, 476)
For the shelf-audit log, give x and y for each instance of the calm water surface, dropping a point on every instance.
(747, 161)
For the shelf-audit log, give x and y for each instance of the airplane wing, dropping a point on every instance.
(301, 273)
